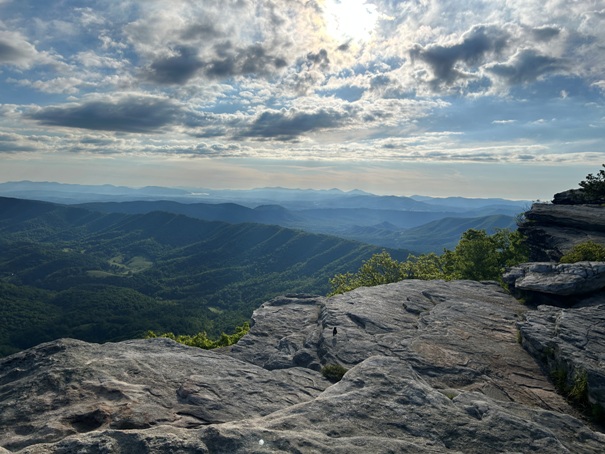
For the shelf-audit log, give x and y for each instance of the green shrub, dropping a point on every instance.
(201, 340)
(584, 252)
(579, 388)
(333, 372)
(478, 256)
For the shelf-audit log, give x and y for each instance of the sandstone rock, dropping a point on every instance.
(562, 279)
(552, 230)
(71, 387)
(433, 367)
(284, 334)
(570, 344)
(381, 405)
(570, 197)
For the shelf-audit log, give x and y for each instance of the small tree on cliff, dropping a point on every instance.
(594, 185)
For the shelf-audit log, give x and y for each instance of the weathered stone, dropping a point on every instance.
(562, 279)
(284, 334)
(433, 367)
(552, 230)
(569, 343)
(570, 197)
(69, 387)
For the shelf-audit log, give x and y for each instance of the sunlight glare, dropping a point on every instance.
(350, 20)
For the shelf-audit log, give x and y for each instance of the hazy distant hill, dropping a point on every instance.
(71, 272)
(436, 235)
(404, 228)
(292, 199)
(353, 215)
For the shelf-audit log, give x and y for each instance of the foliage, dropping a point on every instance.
(69, 272)
(379, 269)
(579, 387)
(478, 256)
(201, 339)
(585, 252)
(594, 185)
(333, 372)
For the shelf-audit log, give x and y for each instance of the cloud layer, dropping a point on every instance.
(469, 81)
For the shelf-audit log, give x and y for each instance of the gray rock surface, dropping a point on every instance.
(563, 279)
(71, 387)
(552, 230)
(570, 197)
(570, 343)
(433, 367)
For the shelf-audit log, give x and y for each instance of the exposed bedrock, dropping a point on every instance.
(433, 367)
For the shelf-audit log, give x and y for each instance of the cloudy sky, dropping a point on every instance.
(474, 97)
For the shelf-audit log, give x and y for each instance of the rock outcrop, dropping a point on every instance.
(433, 367)
(570, 344)
(553, 229)
(566, 335)
(559, 279)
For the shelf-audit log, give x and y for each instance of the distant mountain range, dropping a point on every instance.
(388, 221)
(66, 271)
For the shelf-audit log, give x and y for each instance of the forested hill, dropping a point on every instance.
(72, 272)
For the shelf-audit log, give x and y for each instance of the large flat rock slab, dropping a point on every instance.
(381, 405)
(72, 387)
(433, 367)
(560, 279)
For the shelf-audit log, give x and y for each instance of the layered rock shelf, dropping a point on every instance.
(553, 229)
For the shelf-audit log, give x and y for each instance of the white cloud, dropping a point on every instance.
(432, 80)
(16, 50)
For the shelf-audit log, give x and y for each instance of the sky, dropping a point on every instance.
(498, 98)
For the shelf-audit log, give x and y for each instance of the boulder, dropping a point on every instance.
(433, 367)
(563, 279)
(570, 197)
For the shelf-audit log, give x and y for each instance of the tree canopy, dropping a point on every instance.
(478, 256)
(594, 185)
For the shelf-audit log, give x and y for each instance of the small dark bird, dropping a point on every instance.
(334, 332)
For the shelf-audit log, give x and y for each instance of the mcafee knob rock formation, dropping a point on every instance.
(433, 367)
(553, 229)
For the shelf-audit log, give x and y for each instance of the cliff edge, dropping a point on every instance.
(433, 367)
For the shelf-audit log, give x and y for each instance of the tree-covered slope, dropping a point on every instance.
(71, 272)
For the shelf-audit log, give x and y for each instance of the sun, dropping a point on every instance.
(350, 20)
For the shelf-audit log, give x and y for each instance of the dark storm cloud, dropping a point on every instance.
(290, 125)
(527, 66)
(476, 44)
(129, 114)
(176, 69)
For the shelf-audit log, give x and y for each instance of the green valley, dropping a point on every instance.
(71, 272)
